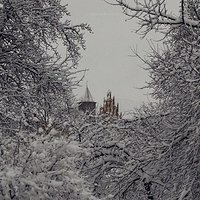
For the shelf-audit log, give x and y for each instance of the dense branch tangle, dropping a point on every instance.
(31, 68)
(154, 14)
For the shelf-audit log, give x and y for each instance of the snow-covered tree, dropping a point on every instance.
(38, 160)
(154, 14)
(175, 79)
(119, 155)
(41, 167)
(142, 158)
(34, 79)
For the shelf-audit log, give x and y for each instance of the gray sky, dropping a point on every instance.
(108, 53)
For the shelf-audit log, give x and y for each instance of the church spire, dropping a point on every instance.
(87, 104)
(87, 96)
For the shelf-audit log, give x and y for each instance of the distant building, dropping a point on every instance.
(109, 108)
(87, 104)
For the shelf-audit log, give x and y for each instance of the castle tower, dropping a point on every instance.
(87, 104)
(109, 108)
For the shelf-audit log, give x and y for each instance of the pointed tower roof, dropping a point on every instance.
(87, 97)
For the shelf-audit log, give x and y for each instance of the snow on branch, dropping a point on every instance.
(153, 14)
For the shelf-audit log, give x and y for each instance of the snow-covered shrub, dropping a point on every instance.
(34, 167)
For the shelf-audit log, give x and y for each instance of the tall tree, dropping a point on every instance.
(175, 79)
(37, 161)
(33, 74)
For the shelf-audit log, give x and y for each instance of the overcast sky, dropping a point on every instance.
(108, 53)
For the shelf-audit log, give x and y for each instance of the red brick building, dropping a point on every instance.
(109, 107)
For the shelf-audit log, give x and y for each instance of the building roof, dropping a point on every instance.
(87, 97)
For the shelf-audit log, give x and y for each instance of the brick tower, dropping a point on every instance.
(109, 108)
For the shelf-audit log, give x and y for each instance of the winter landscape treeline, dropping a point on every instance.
(50, 150)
